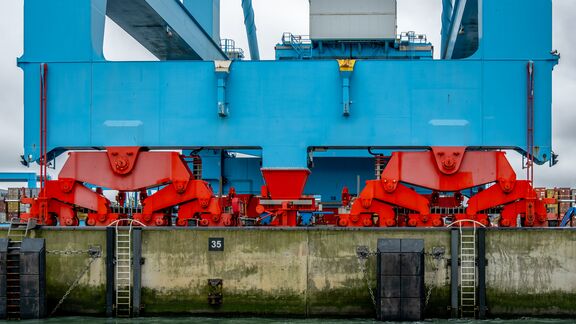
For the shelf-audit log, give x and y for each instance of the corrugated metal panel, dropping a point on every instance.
(353, 7)
(352, 19)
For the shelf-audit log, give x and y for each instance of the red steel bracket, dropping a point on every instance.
(61, 197)
(122, 159)
(496, 196)
(197, 199)
(533, 212)
(448, 169)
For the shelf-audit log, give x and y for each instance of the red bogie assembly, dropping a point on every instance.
(392, 200)
(125, 169)
(445, 170)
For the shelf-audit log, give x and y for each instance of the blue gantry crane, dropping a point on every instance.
(355, 100)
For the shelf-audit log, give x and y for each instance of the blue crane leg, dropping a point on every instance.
(251, 29)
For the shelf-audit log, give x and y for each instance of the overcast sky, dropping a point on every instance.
(273, 17)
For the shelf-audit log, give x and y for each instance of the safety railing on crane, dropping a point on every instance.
(228, 46)
(301, 44)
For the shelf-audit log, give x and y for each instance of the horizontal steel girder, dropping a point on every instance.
(284, 109)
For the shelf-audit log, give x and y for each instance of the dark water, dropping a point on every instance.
(247, 320)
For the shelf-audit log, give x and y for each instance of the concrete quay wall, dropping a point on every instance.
(308, 272)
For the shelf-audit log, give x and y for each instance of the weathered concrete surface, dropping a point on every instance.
(65, 261)
(531, 272)
(309, 272)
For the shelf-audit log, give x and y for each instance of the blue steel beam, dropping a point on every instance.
(63, 30)
(454, 28)
(207, 13)
(166, 28)
(73, 30)
(29, 177)
(284, 109)
(447, 9)
(251, 29)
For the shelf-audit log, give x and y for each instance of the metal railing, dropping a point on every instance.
(301, 44)
(228, 46)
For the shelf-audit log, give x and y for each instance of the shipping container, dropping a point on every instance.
(11, 215)
(563, 208)
(13, 206)
(552, 209)
(352, 19)
(13, 193)
(564, 194)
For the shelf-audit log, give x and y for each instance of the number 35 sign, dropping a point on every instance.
(216, 244)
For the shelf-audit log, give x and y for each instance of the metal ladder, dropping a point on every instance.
(468, 272)
(123, 271)
(16, 234)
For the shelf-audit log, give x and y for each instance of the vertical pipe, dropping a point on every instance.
(221, 179)
(454, 237)
(43, 138)
(251, 29)
(530, 124)
(137, 268)
(481, 273)
(345, 94)
(110, 243)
